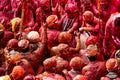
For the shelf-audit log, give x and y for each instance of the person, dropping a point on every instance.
(117, 56)
(91, 23)
(104, 8)
(17, 73)
(25, 11)
(76, 65)
(112, 67)
(59, 9)
(52, 31)
(64, 49)
(111, 40)
(69, 22)
(86, 5)
(93, 26)
(95, 68)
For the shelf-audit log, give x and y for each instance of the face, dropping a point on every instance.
(104, 4)
(88, 20)
(92, 49)
(46, 7)
(71, 14)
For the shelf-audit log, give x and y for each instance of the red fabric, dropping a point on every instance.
(94, 70)
(109, 43)
(7, 36)
(70, 7)
(52, 37)
(91, 40)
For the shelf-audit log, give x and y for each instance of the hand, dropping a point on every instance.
(81, 30)
(77, 33)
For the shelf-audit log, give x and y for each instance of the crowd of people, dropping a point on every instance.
(59, 40)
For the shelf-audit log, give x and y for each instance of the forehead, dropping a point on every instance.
(91, 46)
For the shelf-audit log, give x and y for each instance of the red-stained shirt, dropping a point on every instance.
(111, 41)
(94, 70)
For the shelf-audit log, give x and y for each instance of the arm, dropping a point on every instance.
(77, 48)
(39, 53)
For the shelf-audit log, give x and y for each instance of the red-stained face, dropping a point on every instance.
(46, 6)
(91, 50)
(71, 14)
(104, 4)
(63, 2)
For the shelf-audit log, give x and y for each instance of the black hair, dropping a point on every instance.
(117, 21)
(92, 58)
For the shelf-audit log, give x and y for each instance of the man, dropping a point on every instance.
(112, 38)
(95, 68)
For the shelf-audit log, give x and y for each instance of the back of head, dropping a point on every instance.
(76, 63)
(23, 44)
(17, 72)
(12, 44)
(64, 37)
(33, 36)
(71, 8)
(111, 64)
(51, 21)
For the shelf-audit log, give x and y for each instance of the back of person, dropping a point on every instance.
(94, 70)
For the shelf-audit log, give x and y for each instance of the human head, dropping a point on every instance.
(88, 16)
(17, 72)
(71, 9)
(76, 63)
(45, 5)
(52, 21)
(104, 4)
(33, 36)
(112, 64)
(91, 40)
(12, 44)
(91, 52)
(64, 37)
(49, 64)
(23, 44)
